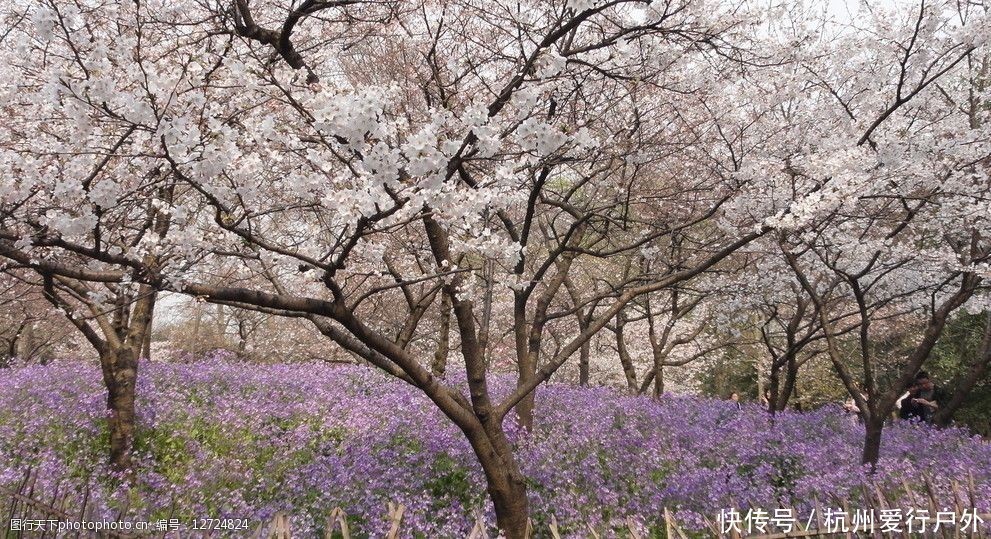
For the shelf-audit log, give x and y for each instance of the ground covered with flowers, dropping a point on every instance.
(226, 439)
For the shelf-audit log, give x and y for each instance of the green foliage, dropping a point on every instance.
(954, 353)
(818, 384)
(407, 445)
(168, 448)
(450, 479)
(733, 373)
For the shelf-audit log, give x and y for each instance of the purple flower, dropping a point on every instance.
(217, 438)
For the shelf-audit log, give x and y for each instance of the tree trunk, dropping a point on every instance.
(194, 337)
(658, 380)
(27, 343)
(524, 410)
(505, 484)
(439, 364)
(624, 354)
(15, 341)
(528, 339)
(583, 364)
(526, 363)
(146, 347)
(583, 318)
(120, 374)
(146, 344)
(119, 362)
(778, 392)
(512, 508)
(774, 386)
(791, 379)
(145, 352)
(485, 328)
(242, 337)
(873, 428)
(797, 398)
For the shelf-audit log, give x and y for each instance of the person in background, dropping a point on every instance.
(908, 409)
(735, 397)
(922, 400)
(851, 408)
(929, 396)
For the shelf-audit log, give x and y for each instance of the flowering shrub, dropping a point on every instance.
(226, 439)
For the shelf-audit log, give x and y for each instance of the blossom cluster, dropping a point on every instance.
(223, 439)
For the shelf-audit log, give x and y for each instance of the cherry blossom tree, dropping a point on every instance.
(911, 246)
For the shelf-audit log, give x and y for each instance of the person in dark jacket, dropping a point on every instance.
(923, 399)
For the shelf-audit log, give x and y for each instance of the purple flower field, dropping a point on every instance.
(226, 439)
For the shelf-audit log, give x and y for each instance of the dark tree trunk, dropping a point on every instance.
(658, 380)
(774, 387)
(780, 392)
(439, 364)
(524, 410)
(119, 362)
(788, 389)
(146, 349)
(529, 337)
(526, 366)
(120, 375)
(505, 483)
(624, 355)
(512, 509)
(16, 341)
(146, 345)
(583, 364)
(873, 428)
(584, 318)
